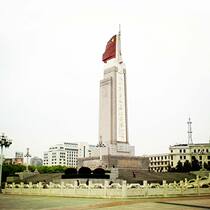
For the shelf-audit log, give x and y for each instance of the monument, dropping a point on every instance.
(114, 150)
(113, 126)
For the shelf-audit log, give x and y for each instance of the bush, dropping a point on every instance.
(70, 171)
(84, 171)
(99, 171)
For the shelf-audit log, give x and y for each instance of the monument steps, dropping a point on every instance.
(138, 176)
(43, 177)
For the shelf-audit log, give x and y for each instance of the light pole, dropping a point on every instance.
(100, 145)
(27, 156)
(4, 142)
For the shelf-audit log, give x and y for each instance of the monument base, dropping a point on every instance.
(111, 161)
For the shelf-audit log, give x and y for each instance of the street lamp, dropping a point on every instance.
(4, 142)
(27, 156)
(100, 145)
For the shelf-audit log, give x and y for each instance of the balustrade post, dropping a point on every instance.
(30, 185)
(198, 184)
(13, 185)
(165, 192)
(124, 188)
(89, 187)
(181, 186)
(145, 184)
(106, 184)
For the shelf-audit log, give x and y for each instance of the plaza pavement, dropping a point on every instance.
(17, 202)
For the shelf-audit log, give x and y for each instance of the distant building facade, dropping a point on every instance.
(183, 152)
(36, 161)
(18, 160)
(159, 162)
(180, 152)
(67, 154)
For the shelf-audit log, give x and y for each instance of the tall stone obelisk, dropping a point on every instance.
(113, 150)
(113, 123)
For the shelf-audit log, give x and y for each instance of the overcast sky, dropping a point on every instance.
(50, 68)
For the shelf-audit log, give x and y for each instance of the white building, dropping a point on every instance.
(180, 152)
(159, 162)
(67, 154)
(183, 152)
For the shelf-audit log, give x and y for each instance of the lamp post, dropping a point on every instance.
(27, 156)
(100, 145)
(4, 142)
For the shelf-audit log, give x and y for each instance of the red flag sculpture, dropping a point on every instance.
(110, 51)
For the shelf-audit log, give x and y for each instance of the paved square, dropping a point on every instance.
(17, 202)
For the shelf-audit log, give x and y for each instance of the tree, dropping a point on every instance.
(10, 170)
(179, 167)
(187, 166)
(207, 166)
(195, 165)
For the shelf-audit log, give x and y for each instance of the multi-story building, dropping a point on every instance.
(67, 154)
(180, 152)
(183, 152)
(18, 160)
(159, 162)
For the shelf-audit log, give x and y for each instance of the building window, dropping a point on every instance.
(184, 150)
(180, 151)
(194, 150)
(171, 157)
(171, 163)
(207, 150)
(171, 151)
(181, 157)
(200, 157)
(184, 157)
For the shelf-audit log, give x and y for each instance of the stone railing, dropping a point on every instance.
(187, 187)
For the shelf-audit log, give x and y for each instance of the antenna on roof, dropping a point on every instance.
(190, 141)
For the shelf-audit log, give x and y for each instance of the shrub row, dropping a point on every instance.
(85, 172)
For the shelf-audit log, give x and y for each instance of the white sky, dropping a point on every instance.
(50, 68)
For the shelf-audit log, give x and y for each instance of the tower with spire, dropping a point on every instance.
(113, 123)
(189, 131)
